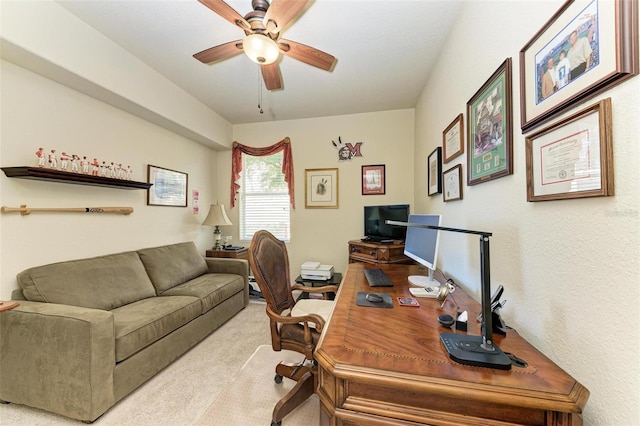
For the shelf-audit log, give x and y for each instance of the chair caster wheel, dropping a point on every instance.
(277, 379)
(276, 423)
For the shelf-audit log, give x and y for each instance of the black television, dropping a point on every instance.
(375, 226)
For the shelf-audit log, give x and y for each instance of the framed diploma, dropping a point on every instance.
(452, 184)
(572, 158)
(453, 140)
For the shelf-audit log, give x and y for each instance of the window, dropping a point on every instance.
(264, 197)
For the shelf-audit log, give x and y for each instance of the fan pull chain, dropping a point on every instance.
(260, 92)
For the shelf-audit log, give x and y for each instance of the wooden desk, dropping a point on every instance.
(387, 367)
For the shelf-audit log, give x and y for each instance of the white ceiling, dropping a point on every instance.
(385, 51)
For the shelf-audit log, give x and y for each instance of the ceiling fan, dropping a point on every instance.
(262, 43)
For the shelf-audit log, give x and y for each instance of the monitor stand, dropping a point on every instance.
(423, 280)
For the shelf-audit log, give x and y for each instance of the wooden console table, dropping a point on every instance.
(381, 366)
(377, 253)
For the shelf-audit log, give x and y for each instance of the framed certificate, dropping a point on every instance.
(572, 158)
(453, 140)
(452, 184)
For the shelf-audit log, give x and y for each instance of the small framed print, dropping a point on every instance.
(453, 140)
(169, 187)
(572, 158)
(373, 180)
(434, 172)
(321, 188)
(452, 184)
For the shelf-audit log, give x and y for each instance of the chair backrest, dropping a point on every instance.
(269, 263)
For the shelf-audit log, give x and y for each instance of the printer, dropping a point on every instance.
(316, 271)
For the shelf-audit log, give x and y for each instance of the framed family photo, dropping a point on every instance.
(572, 158)
(169, 187)
(321, 188)
(453, 140)
(585, 48)
(373, 180)
(434, 172)
(489, 128)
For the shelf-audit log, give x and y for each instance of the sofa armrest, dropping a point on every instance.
(58, 358)
(223, 265)
(228, 266)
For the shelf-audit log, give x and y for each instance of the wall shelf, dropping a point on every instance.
(53, 175)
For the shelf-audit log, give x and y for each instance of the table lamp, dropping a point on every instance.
(217, 217)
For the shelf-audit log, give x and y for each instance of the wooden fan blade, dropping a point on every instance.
(271, 76)
(281, 12)
(307, 54)
(227, 12)
(218, 53)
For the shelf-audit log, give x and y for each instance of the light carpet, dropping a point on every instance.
(250, 397)
(186, 392)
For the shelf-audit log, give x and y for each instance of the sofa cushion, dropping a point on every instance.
(139, 324)
(211, 289)
(173, 264)
(104, 282)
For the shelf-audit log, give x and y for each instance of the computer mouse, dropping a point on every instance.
(374, 298)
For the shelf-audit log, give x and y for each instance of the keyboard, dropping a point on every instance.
(377, 278)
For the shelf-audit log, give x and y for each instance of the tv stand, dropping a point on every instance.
(377, 252)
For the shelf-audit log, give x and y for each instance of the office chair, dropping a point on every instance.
(295, 326)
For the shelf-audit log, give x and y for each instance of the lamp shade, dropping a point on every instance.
(260, 49)
(217, 216)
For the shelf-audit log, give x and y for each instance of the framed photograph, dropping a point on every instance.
(169, 187)
(588, 46)
(434, 172)
(452, 184)
(572, 158)
(489, 129)
(453, 140)
(321, 188)
(373, 180)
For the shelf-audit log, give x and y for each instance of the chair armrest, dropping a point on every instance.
(58, 358)
(305, 320)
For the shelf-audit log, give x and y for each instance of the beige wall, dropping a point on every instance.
(570, 268)
(322, 234)
(37, 112)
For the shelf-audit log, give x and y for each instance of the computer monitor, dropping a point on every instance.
(421, 245)
(375, 226)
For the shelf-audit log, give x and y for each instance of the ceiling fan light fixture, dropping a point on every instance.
(260, 49)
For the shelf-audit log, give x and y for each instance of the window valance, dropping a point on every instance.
(287, 165)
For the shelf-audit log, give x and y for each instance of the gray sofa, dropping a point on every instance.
(90, 331)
